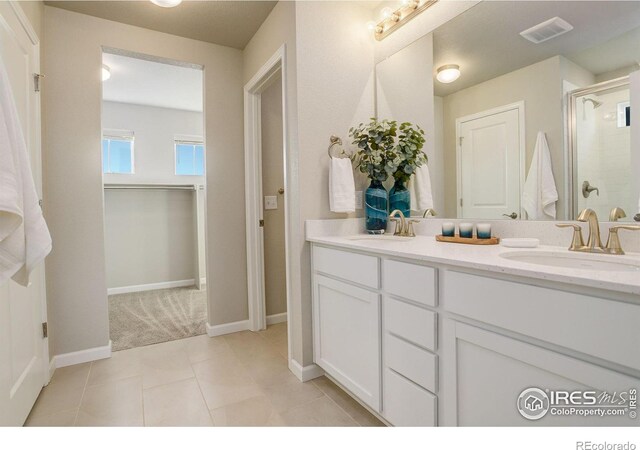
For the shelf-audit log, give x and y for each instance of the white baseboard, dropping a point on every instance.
(82, 356)
(276, 318)
(227, 328)
(305, 373)
(151, 286)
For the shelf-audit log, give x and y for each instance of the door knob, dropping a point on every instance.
(513, 215)
(281, 191)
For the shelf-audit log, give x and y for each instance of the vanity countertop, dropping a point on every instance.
(487, 257)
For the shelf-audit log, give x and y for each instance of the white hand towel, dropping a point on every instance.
(540, 194)
(420, 189)
(342, 190)
(24, 237)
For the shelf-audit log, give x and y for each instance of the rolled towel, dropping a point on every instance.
(342, 190)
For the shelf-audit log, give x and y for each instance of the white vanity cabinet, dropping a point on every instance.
(427, 344)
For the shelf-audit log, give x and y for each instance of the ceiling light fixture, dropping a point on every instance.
(448, 73)
(392, 20)
(106, 72)
(166, 3)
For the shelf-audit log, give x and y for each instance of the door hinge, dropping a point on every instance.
(460, 202)
(45, 330)
(36, 81)
(460, 141)
(261, 223)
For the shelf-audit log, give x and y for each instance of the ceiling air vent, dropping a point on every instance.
(547, 30)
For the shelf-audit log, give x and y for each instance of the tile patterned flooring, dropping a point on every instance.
(240, 379)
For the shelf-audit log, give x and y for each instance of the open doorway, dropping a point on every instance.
(153, 156)
(267, 203)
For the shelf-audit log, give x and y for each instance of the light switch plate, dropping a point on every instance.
(270, 202)
(358, 199)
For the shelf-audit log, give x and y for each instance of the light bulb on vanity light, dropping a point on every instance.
(106, 72)
(386, 13)
(166, 3)
(448, 73)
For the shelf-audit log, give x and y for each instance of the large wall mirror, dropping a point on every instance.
(543, 89)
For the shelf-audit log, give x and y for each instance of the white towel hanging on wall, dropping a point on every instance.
(24, 237)
(420, 189)
(540, 193)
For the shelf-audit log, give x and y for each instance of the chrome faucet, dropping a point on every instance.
(404, 227)
(594, 243)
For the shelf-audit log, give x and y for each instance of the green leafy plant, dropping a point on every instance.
(386, 149)
(376, 143)
(409, 149)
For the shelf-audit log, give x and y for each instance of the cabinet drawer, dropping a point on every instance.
(418, 365)
(410, 281)
(407, 404)
(410, 322)
(362, 269)
(603, 328)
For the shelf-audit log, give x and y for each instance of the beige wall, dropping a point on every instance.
(272, 180)
(335, 91)
(149, 236)
(76, 281)
(34, 10)
(539, 86)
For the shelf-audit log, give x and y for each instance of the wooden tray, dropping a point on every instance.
(473, 241)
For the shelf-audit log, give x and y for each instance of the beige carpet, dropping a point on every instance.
(144, 318)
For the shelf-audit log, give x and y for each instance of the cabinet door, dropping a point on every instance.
(485, 373)
(346, 331)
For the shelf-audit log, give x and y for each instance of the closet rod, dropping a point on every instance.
(166, 187)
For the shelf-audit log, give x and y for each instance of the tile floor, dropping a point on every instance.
(239, 379)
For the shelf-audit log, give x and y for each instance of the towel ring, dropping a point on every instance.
(335, 140)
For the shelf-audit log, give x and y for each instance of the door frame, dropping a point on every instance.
(519, 106)
(23, 20)
(274, 67)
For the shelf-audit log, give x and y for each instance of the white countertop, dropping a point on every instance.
(487, 257)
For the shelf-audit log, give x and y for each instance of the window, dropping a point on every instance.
(624, 114)
(117, 153)
(189, 158)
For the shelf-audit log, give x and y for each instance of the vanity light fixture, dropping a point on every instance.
(448, 73)
(166, 3)
(392, 20)
(106, 72)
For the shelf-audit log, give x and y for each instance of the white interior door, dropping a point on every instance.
(489, 164)
(23, 350)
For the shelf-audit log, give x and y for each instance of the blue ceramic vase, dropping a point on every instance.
(399, 198)
(376, 207)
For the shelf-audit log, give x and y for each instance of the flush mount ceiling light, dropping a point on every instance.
(392, 20)
(166, 3)
(106, 72)
(448, 73)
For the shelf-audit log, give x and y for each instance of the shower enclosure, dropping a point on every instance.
(602, 167)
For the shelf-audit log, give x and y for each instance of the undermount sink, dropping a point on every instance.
(570, 260)
(378, 237)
